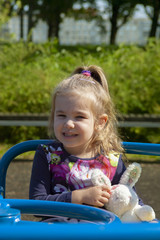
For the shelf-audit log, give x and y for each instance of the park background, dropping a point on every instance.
(31, 67)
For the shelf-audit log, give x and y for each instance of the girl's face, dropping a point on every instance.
(73, 123)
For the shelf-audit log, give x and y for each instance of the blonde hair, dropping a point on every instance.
(95, 87)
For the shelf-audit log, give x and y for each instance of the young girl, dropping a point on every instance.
(83, 123)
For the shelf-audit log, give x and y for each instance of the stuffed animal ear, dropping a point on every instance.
(131, 175)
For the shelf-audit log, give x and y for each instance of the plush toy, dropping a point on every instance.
(124, 201)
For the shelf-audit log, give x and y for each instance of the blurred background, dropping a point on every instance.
(43, 41)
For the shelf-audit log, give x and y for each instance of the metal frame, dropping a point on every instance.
(31, 145)
(114, 231)
(105, 225)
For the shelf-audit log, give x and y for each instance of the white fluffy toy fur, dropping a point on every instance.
(124, 201)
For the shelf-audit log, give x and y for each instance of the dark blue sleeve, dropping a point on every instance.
(40, 183)
(120, 170)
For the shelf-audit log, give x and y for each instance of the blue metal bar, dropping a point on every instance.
(100, 230)
(59, 231)
(13, 152)
(31, 145)
(49, 208)
(142, 148)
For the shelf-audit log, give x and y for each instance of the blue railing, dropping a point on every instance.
(49, 208)
(13, 152)
(142, 148)
(115, 231)
(105, 225)
(31, 145)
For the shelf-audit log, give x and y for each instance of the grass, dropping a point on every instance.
(3, 148)
(142, 158)
(25, 156)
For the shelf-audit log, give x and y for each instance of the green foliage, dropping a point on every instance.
(4, 12)
(29, 72)
(134, 75)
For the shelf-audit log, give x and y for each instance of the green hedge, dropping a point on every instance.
(29, 72)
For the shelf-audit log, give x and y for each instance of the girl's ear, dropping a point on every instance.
(101, 122)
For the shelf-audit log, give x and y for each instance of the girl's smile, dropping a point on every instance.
(69, 134)
(73, 123)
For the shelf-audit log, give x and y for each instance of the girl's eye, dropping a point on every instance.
(80, 117)
(61, 115)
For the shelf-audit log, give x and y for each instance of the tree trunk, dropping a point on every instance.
(30, 21)
(53, 27)
(21, 24)
(114, 24)
(50, 30)
(57, 23)
(155, 17)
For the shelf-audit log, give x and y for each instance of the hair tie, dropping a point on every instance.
(87, 73)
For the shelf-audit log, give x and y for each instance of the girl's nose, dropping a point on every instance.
(69, 124)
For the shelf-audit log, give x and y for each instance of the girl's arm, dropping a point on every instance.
(41, 187)
(95, 196)
(40, 183)
(120, 170)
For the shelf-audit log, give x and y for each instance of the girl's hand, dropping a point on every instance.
(96, 196)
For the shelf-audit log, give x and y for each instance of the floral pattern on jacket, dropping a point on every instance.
(70, 173)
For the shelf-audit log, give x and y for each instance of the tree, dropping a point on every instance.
(50, 12)
(18, 6)
(89, 11)
(6, 7)
(118, 12)
(32, 12)
(153, 14)
(20, 12)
